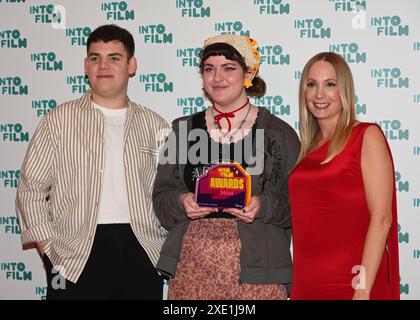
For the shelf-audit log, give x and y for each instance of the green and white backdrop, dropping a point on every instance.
(42, 46)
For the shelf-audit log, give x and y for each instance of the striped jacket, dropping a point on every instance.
(61, 181)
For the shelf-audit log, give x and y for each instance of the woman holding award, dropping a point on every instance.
(218, 252)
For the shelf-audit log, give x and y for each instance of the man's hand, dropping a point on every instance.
(40, 246)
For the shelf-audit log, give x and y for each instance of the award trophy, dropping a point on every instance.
(224, 185)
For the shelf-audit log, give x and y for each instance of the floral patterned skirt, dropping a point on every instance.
(209, 266)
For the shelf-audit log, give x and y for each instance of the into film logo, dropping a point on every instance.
(13, 132)
(231, 27)
(191, 105)
(46, 61)
(193, 8)
(78, 35)
(13, 86)
(416, 201)
(16, 271)
(155, 33)
(348, 5)
(156, 82)
(360, 107)
(349, 51)
(274, 104)
(312, 28)
(403, 237)
(78, 84)
(41, 292)
(273, 55)
(416, 150)
(393, 129)
(389, 78)
(10, 178)
(10, 224)
(12, 39)
(389, 26)
(50, 13)
(416, 98)
(356, 8)
(190, 57)
(272, 7)
(117, 11)
(404, 288)
(42, 107)
(400, 184)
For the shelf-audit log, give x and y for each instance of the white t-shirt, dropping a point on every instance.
(113, 206)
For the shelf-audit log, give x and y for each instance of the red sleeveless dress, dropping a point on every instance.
(330, 219)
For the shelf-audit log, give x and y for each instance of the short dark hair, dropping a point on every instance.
(258, 87)
(111, 32)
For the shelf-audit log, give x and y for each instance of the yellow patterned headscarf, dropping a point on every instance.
(246, 46)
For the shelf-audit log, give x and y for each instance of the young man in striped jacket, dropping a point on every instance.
(84, 195)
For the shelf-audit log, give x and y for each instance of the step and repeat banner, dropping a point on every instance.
(43, 44)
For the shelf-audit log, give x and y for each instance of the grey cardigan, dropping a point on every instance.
(265, 244)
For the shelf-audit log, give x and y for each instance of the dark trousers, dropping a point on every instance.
(117, 268)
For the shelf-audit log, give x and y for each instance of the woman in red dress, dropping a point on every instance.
(342, 194)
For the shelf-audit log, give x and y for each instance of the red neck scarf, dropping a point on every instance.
(227, 115)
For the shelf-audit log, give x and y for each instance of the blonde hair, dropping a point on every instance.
(309, 127)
